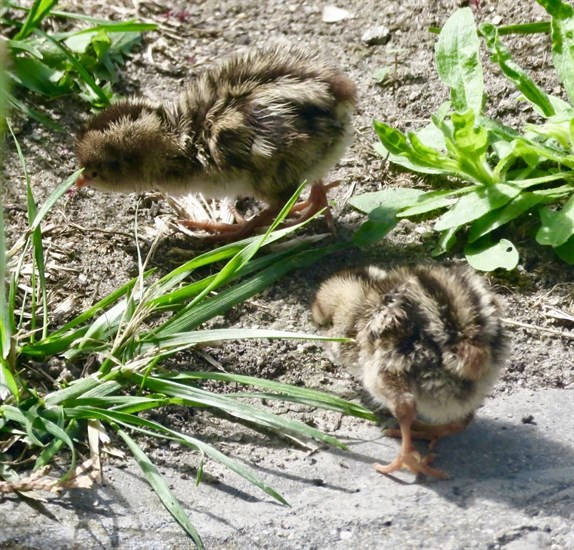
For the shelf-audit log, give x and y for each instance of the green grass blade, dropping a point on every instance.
(6, 314)
(75, 389)
(458, 61)
(238, 261)
(97, 308)
(40, 10)
(8, 382)
(284, 391)
(60, 434)
(54, 197)
(152, 428)
(39, 268)
(108, 27)
(33, 114)
(187, 339)
(161, 488)
(190, 318)
(50, 450)
(24, 46)
(232, 407)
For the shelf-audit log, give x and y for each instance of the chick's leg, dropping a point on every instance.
(316, 202)
(229, 232)
(431, 432)
(408, 456)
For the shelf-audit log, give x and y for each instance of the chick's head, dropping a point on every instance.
(125, 148)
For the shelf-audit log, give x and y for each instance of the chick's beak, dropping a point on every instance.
(82, 181)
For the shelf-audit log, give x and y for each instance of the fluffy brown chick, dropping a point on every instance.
(428, 340)
(255, 124)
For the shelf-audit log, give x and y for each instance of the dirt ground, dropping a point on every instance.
(90, 233)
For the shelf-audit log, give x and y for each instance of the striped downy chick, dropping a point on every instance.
(255, 124)
(428, 340)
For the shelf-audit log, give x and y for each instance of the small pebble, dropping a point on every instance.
(376, 36)
(333, 14)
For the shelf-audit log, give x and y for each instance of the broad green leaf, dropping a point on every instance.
(487, 256)
(26, 47)
(431, 156)
(434, 200)
(432, 136)
(558, 130)
(87, 80)
(562, 41)
(557, 226)
(468, 145)
(458, 61)
(468, 137)
(566, 251)
(381, 220)
(501, 55)
(475, 205)
(403, 161)
(497, 218)
(79, 42)
(446, 241)
(38, 77)
(392, 198)
(394, 141)
(411, 152)
(161, 488)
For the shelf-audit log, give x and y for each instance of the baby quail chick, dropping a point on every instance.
(428, 340)
(256, 124)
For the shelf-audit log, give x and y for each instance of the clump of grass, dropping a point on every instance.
(129, 342)
(495, 181)
(81, 61)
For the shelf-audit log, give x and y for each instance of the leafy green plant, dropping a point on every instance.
(128, 334)
(81, 61)
(493, 177)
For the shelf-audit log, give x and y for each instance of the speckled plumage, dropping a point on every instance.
(427, 340)
(255, 124)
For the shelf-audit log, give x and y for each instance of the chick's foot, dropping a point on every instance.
(408, 456)
(411, 460)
